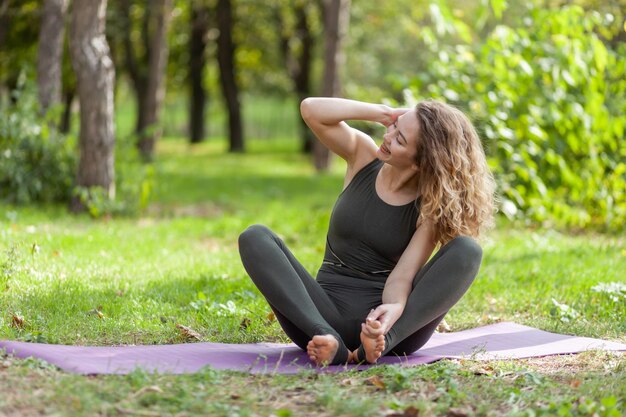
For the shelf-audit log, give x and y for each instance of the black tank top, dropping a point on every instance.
(367, 236)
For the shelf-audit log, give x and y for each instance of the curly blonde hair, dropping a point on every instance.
(456, 185)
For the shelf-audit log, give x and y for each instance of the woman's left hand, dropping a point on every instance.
(386, 314)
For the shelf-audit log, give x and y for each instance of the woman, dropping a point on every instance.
(377, 293)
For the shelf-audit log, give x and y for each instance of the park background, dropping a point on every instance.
(119, 216)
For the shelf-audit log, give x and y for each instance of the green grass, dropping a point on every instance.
(76, 280)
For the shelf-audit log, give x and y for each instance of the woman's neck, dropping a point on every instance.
(400, 181)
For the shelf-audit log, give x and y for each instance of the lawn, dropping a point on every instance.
(74, 280)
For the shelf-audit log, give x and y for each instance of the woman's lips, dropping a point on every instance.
(384, 149)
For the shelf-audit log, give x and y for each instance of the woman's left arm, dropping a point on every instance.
(400, 281)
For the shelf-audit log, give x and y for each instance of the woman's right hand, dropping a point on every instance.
(386, 315)
(392, 116)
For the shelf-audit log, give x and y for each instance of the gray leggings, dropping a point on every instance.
(336, 304)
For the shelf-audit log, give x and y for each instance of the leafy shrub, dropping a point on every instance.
(549, 99)
(37, 163)
(134, 186)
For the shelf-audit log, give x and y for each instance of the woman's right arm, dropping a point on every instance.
(326, 117)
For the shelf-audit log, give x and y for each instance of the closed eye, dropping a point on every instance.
(395, 126)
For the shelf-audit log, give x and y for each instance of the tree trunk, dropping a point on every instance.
(66, 117)
(157, 47)
(226, 62)
(299, 67)
(133, 65)
(95, 79)
(336, 19)
(303, 78)
(197, 63)
(50, 53)
(5, 20)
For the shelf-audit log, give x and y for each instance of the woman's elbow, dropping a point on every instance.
(306, 108)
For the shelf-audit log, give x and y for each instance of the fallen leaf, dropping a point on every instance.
(575, 383)
(376, 381)
(17, 321)
(408, 412)
(96, 312)
(271, 316)
(235, 396)
(245, 323)
(144, 413)
(443, 327)
(457, 412)
(483, 371)
(56, 253)
(188, 333)
(151, 388)
(348, 381)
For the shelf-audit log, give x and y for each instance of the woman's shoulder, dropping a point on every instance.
(361, 169)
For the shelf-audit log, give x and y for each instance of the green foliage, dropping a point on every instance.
(18, 47)
(37, 163)
(135, 184)
(548, 98)
(131, 281)
(606, 407)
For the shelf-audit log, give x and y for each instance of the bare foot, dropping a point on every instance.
(373, 346)
(322, 349)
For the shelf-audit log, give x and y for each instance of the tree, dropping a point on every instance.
(336, 19)
(228, 80)
(95, 81)
(68, 81)
(19, 32)
(147, 71)
(197, 63)
(299, 60)
(50, 52)
(4, 20)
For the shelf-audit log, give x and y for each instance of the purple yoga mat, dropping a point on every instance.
(497, 341)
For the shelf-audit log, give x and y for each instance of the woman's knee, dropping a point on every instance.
(466, 250)
(253, 235)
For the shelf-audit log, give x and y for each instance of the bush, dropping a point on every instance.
(134, 187)
(549, 99)
(37, 163)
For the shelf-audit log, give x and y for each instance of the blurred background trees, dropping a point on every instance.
(544, 81)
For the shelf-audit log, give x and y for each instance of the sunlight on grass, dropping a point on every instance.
(143, 275)
(70, 279)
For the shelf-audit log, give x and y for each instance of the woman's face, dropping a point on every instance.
(399, 147)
